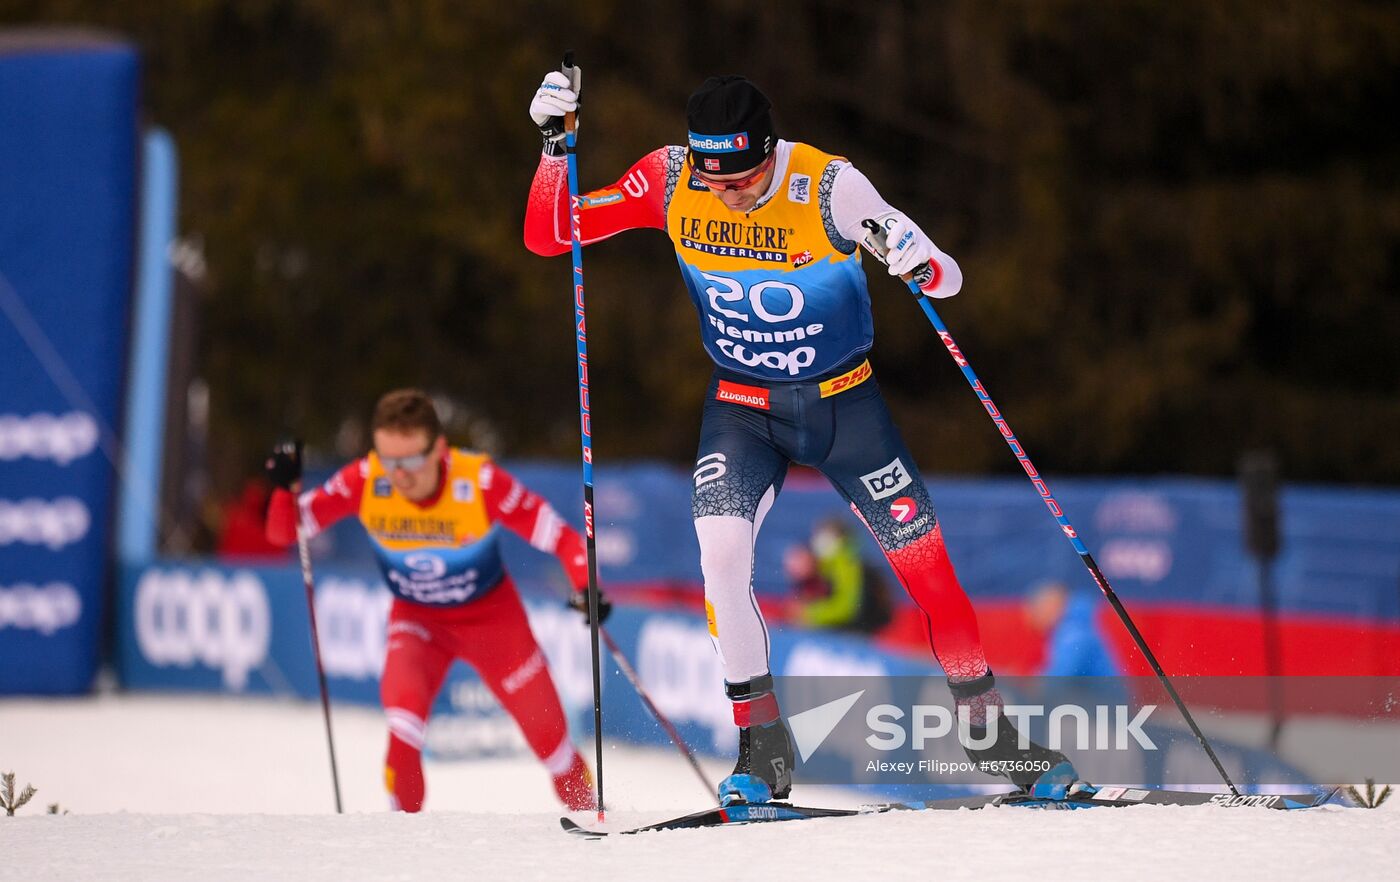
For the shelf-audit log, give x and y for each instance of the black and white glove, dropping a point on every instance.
(283, 465)
(557, 95)
(579, 601)
(898, 243)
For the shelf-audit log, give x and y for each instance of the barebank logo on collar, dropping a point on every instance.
(720, 143)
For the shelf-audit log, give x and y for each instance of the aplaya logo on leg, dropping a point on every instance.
(904, 509)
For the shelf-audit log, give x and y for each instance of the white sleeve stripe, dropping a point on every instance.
(548, 526)
(561, 183)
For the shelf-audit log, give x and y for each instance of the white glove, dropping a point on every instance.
(906, 246)
(556, 96)
(906, 249)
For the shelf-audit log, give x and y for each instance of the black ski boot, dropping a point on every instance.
(764, 769)
(1038, 771)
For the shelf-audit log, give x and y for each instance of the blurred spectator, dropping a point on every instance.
(241, 535)
(1073, 645)
(833, 586)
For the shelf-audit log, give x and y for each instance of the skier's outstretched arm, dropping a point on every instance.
(854, 199)
(314, 509)
(635, 201)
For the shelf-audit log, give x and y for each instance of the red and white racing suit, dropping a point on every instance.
(452, 600)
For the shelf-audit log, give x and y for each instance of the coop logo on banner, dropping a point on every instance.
(44, 436)
(476, 727)
(678, 665)
(811, 658)
(43, 608)
(351, 618)
(1148, 560)
(220, 621)
(54, 525)
(1136, 512)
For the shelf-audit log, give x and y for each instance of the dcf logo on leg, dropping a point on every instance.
(887, 480)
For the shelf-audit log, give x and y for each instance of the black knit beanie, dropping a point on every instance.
(731, 127)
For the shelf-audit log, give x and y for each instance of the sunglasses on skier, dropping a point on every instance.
(408, 463)
(740, 184)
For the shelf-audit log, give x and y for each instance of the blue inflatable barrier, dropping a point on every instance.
(68, 147)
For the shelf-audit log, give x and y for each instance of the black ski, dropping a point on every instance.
(742, 813)
(1102, 797)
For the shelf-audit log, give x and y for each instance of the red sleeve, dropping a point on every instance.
(637, 201)
(532, 518)
(317, 509)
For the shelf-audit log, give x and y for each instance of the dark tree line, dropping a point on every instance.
(1178, 222)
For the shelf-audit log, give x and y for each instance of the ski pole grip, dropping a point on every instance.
(567, 69)
(877, 233)
(918, 275)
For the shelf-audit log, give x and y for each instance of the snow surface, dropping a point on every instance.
(211, 789)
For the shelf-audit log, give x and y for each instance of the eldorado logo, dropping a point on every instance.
(737, 393)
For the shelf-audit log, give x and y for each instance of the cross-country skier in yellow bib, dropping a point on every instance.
(766, 233)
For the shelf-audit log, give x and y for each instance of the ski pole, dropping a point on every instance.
(878, 234)
(631, 674)
(585, 427)
(304, 552)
